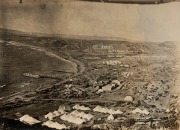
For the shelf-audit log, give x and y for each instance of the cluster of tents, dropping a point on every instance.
(106, 110)
(79, 115)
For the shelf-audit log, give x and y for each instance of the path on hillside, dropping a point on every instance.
(79, 66)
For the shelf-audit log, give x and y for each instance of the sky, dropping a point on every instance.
(155, 23)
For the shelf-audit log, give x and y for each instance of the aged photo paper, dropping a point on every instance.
(89, 64)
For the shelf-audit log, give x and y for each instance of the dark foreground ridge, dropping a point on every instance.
(9, 124)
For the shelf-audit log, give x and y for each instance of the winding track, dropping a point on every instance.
(79, 66)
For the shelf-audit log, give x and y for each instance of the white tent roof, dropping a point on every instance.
(83, 108)
(137, 110)
(29, 120)
(55, 125)
(106, 110)
(71, 118)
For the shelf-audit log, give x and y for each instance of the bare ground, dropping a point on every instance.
(153, 83)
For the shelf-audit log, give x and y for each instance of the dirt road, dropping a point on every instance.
(76, 65)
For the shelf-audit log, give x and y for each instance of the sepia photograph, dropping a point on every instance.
(89, 64)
